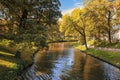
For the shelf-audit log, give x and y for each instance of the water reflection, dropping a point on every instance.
(63, 65)
(93, 69)
(110, 72)
(63, 62)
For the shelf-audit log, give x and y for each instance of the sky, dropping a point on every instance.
(68, 5)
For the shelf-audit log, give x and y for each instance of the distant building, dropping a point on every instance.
(116, 34)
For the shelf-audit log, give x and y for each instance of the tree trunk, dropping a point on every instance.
(85, 41)
(109, 27)
(23, 19)
(109, 36)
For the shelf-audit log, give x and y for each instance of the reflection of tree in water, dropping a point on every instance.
(60, 46)
(46, 61)
(93, 69)
(56, 64)
(56, 46)
(70, 64)
(78, 68)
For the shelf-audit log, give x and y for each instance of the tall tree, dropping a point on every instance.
(77, 22)
(32, 18)
(103, 12)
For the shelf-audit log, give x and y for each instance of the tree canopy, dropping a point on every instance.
(95, 21)
(29, 20)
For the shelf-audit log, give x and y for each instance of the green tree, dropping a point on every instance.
(76, 23)
(32, 19)
(102, 12)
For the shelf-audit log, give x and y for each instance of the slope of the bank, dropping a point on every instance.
(111, 56)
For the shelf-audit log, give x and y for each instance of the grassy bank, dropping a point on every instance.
(10, 66)
(112, 57)
(78, 46)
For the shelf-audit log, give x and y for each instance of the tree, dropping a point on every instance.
(32, 19)
(76, 23)
(103, 12)
(117, 7)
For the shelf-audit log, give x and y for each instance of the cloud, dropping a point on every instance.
(77, 4)
(67, 11)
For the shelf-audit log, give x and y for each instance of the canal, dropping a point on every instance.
(63, 62)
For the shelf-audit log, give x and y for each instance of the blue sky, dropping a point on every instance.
(69, 5)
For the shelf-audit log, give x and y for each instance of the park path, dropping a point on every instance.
(106, 49)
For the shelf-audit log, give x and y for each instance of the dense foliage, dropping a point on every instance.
(28, 20)
(96, 20)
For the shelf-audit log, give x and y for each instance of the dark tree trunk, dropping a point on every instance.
(85, 40)
(18, 54)
(109, 27)
(83, 34)
(23, 19)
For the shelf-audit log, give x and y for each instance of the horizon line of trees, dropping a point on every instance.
(95, 21)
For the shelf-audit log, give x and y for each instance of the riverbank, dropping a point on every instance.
(10, 67)
(109, 55)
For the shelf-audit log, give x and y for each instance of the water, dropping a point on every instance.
(62, 62)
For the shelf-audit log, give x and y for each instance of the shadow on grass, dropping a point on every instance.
(5, 49)
(8, 57)
(10, 66)
(7, 73)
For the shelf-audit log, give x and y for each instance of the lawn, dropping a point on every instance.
(112, 57)
(78, 46)
(9, 66)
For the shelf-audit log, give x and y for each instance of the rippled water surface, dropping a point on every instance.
(63, 62)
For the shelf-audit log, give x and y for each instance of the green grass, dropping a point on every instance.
(12, 47)
(115, 45)
(78, 46)
(81, 47)
(9, 66)
(112, 57)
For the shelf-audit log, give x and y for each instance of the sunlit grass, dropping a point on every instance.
(7, 64)
(6, 53)
(9, 46)
(112, 57)
(10, 66)
(78, 46)
(81, 47)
